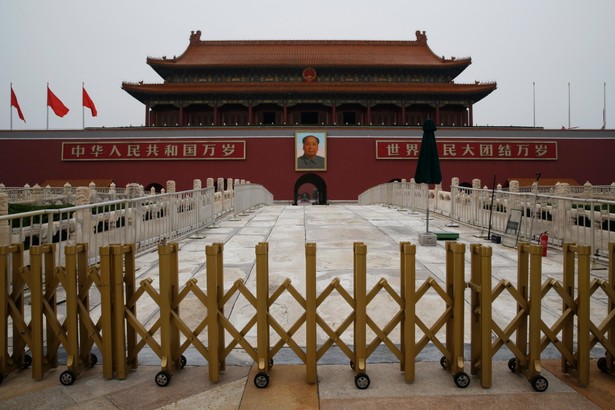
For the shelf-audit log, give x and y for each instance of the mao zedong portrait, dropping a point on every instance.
(310, 159)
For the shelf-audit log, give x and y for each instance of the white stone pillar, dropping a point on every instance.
(475, 201)
(455, 198)
(47, 193)
(171, 187)
(513, 186)
(587, 189)
(92, 187)
(132, 190)
(37, 194)
(83, 217)
(5, 230)
(27, 192)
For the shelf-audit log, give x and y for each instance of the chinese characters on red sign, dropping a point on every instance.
(463, 149)
(153, 150)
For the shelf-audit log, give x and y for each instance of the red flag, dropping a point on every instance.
(88, 103)
(56, 105)
(15, 103)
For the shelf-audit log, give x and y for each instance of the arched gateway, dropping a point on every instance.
(315, 180)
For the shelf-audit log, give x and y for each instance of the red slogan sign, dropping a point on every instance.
(463, 149)
(153, 150)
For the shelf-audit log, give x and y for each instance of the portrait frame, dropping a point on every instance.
(319, 162)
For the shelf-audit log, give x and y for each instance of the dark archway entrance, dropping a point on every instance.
(320, 188)
(157, 187)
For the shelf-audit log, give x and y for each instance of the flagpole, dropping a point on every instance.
(534, 101)
(568, 105)
(82, 107)
(604, 109)
(47, 105)
(11, 108)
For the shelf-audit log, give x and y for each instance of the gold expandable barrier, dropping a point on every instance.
(12, 306)
(487, 337)
(588, 334)
(44, 334)
(117, 291)
(79, 332)
(120, 336)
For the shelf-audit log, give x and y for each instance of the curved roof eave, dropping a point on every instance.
(143, 90)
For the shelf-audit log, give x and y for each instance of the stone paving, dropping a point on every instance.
(334, 229)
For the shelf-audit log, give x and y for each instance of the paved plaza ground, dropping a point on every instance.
(333, 229)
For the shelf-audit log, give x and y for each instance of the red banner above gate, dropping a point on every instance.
(464, 149)
(153, 150)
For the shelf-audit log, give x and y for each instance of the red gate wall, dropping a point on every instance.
(31, 157)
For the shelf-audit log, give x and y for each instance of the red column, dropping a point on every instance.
(250, 112)
(285, 113)
(369, 113)
(216, 113)
(438, 113)
(333, 113)
(402, 120)
(181, 115)
(471, 116)
(147, 115)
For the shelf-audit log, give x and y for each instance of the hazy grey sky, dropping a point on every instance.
(515, 43)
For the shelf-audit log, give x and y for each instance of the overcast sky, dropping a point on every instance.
(516, 43)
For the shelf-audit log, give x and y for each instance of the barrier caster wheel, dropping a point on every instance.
(163, 378)
(539, 383)
(182, 361)
(602, 365)
(443, 362)
(93, 360)
(352, 365)
(68, 377)
(261, 380)
(27, 361)
(462, 380)
(512, 365)
(362, 381)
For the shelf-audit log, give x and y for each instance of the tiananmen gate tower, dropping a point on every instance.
(299, 116)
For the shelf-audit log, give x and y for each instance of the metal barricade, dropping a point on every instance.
(120, 335)
(451, 319)
(605, 331)
(488, 336)
(12, 285)
(588, 334)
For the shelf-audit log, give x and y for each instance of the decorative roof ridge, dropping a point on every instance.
(476, 83)
(195, 39)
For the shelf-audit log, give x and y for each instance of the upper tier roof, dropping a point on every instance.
(308, 53)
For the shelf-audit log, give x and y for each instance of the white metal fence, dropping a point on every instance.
(144, 221)
(573, 218)
(37, 195)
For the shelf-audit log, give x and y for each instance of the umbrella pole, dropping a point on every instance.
(427, 212)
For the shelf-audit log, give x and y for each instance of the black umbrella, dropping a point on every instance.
(428, 165)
